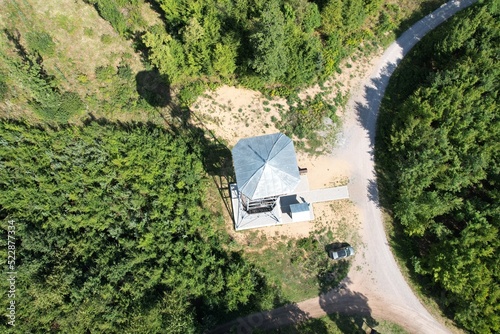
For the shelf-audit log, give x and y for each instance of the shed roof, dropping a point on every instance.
(299, 207)
(265, 166)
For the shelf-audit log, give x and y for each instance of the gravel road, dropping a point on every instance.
(374, 287)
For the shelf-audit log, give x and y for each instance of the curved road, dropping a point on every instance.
(378, 289)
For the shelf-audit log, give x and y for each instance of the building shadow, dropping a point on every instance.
(216, 157)
(286, 201)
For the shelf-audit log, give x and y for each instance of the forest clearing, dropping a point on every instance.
(117, 121)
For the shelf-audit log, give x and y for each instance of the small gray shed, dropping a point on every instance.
(300, 212)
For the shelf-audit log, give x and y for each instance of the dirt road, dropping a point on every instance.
(374, 285)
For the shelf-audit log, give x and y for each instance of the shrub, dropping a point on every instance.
(41, 42)
(190, 92)
(3, 88)
(106, 39)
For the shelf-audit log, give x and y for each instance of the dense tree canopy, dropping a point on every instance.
(440, 142)
(291, 42)
(111, 232)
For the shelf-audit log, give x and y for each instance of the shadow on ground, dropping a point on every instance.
(153, 88)
(367, 113)
(274, 321)
(349, 310)
(425, 7)
(216, 156)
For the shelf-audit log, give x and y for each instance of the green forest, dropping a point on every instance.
(259, 43)
(275, 46)
(438, 146)
(112, 233)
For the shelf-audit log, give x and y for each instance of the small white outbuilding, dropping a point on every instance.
(300, 212)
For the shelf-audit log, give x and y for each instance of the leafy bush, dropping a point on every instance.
(71, 103)
(105, 73)
(106, 39)
(307, 117)
(4, 88)
(118, 90)
(190, 92)
(41, 42)
(59, 107)
(264, 45)
(42, 91)
(110, 11)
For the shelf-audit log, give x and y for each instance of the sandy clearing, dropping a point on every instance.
(233, 113)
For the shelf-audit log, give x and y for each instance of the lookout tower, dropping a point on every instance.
(266, 168)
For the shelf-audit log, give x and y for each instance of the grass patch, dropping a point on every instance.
(310, 121)
(339, 324)
(300, 266)
(106, 39)
(67, 68)
(41, 42)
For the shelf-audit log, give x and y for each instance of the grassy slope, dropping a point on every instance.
(339, 324)
(83, 42)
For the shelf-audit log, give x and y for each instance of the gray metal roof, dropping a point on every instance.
(265, 166)
(299, 207)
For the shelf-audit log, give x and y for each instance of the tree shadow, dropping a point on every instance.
(14, 36)
(154, 88)
(349, 310)
(332, 276)
(400, 85)
(367, 113)
(373, 194)
(217, 318)
(278, 320)
(426, 7)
